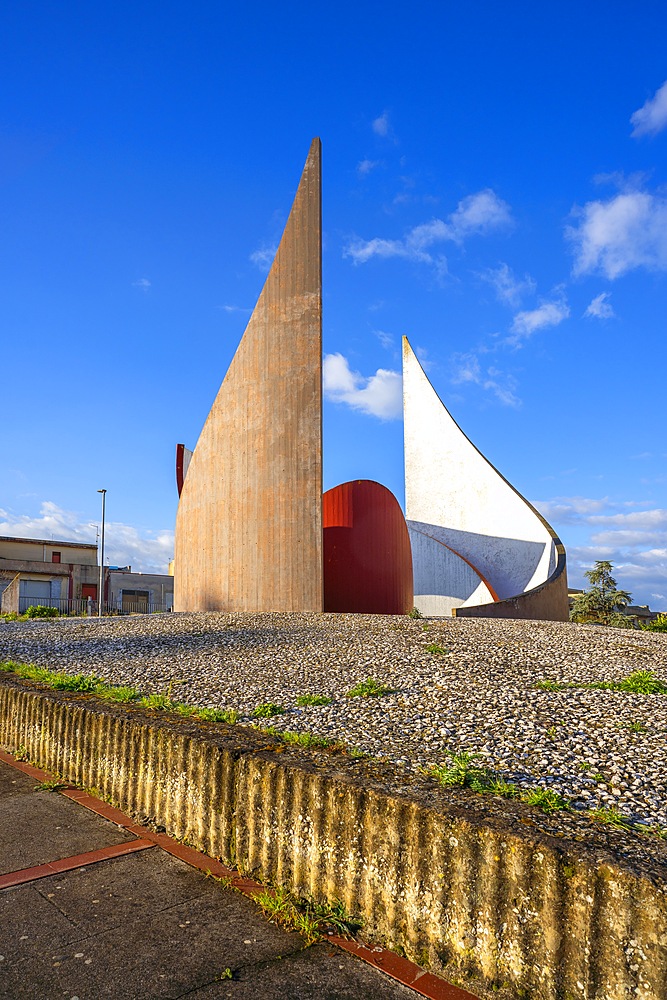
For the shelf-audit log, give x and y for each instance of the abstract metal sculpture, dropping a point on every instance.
(367, 558)
(479, 548)
(249, 521)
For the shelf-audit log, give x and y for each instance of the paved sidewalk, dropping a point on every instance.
(100, 912)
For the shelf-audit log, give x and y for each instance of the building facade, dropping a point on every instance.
(43, 571)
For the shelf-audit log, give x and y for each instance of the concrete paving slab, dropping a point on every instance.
(159, 953)
(122, 890)
(316, 973)
(36, 827)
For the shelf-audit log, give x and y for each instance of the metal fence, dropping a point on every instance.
(81, 606)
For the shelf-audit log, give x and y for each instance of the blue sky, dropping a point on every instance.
(494, 188)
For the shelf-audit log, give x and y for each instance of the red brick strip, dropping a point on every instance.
(76, 861)
(21, 765)
(401, 969)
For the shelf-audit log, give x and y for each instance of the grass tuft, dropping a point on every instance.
(611, 816)
(309, 918)
(120, 693)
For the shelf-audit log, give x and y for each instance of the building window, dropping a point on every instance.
(55, 557)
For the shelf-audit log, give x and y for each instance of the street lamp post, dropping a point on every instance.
(100, 591)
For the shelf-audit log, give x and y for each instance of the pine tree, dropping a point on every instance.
(602, 602)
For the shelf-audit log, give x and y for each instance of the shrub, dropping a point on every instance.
(40, 611)
(658, 624)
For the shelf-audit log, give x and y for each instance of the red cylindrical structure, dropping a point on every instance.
(367, 554)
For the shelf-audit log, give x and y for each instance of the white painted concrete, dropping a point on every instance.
(454, 495)
(442, 579)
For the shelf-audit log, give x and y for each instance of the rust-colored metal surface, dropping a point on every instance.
(367, 554)
(249, 521)
(183, 456)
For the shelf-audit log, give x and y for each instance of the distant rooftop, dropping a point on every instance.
(49, 541)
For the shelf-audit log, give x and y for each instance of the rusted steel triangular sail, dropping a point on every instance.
(249, 522)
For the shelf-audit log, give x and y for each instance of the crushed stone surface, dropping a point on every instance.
(594, 747)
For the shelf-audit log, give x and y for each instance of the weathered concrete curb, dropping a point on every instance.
(459, 886)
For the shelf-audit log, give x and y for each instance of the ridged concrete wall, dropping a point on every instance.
(460, 887)
(249, 521)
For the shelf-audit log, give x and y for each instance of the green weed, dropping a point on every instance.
(310, 919)
(158, 702)
(51, 785)
(306, 739)
(548, 685)
(187, 711)
(267, 710)
(313, 699)
(228, 715)
(638, 682)
(436, 649)
(369, 689)
(611, 816)
(545, 799)
(462, 771)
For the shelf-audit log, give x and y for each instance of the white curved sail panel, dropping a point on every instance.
(453, 494)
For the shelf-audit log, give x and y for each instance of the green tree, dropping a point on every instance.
(602, 602)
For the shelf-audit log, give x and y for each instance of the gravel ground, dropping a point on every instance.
(595, 747)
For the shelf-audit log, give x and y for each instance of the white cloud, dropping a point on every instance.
(479, 214)
(525, 323)
(362, 250)
(600, 307)
(380, 395)
(508, 289)
(570, 510)
(652, 117)
(385, 339)
(235, 309)
(263, 257)
(624, 539)
(636, 542)
(365, 166)
(143, 283)
(626, 232)
(476, 215)
(466, 369)
(124, 545)
(381, 125)
(643, 520)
